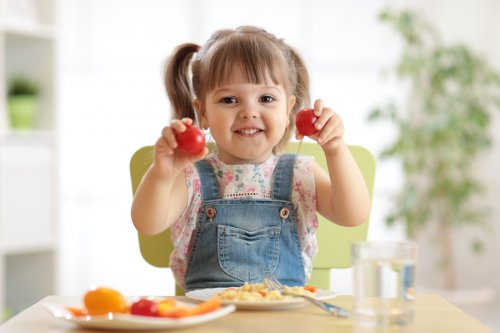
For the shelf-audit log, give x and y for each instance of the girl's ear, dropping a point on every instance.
(201, 114)
(291, 103)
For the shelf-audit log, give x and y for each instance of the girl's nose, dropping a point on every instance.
(248, 111)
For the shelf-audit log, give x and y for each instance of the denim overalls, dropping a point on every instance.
(245, 240)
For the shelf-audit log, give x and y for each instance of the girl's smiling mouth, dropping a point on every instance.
(248, 131)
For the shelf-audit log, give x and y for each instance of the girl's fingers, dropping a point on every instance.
(187, 121)
(179, 125)
(329, 125)
(332, 129)
(318, 107)
(176, 126)
(161, 146)
(167, 143)
(326, 115)
(168, 135)
(337, 132)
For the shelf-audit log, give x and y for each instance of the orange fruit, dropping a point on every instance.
(102, 300)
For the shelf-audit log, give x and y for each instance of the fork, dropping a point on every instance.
(272, 283)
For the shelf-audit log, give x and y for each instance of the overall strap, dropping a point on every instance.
(208, 180)
(283, 177)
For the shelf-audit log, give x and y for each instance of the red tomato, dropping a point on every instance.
(191, 141)
(144, 307)
(305, 120)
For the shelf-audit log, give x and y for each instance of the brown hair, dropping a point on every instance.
(260, 56)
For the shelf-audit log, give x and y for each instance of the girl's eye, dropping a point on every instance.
(228, 100)
(267, 99)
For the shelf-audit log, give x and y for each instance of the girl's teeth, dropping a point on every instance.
(249, 131)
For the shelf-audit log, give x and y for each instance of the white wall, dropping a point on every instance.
(112, 102)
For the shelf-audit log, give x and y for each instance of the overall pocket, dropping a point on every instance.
(248, 255)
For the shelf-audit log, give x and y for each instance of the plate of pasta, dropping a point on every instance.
(258, 297)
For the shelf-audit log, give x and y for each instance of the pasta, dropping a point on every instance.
(259, 293)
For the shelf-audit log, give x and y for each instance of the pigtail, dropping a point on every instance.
(301, 92)
(299, 81)
(177, 81)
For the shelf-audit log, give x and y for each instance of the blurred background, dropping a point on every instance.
(65, 192)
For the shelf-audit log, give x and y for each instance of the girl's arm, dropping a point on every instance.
(158, 201)
(161, 196)
(341, 194)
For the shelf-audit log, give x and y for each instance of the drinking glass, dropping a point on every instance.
(383, 283)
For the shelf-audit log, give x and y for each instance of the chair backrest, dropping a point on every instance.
(334, 241)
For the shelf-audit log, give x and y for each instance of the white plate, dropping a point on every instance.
(205, 294)
(132, 322)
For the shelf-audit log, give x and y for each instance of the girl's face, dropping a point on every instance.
(246, 120)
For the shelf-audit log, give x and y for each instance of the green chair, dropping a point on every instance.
(334, 241)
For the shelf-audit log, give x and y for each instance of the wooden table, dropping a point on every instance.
(433, 314)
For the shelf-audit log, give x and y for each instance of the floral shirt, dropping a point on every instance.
(245, 181)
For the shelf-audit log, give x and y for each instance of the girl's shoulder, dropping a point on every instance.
(302, 171)
(304, 161)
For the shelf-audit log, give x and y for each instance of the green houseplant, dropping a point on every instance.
(22, 100)
(442, 128)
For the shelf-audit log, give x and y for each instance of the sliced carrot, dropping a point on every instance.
(263, 293)
(77, 312)
(182, 312)
(177, 312)
(310, 288)
(206, 307)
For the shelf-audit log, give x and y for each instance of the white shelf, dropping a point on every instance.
(33, 247)
(32, 30)
(28, 158)
(31, 137)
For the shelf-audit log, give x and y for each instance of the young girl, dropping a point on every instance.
(245, 211)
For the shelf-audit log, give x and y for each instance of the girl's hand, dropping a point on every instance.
(330, 128)
(167, 159)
